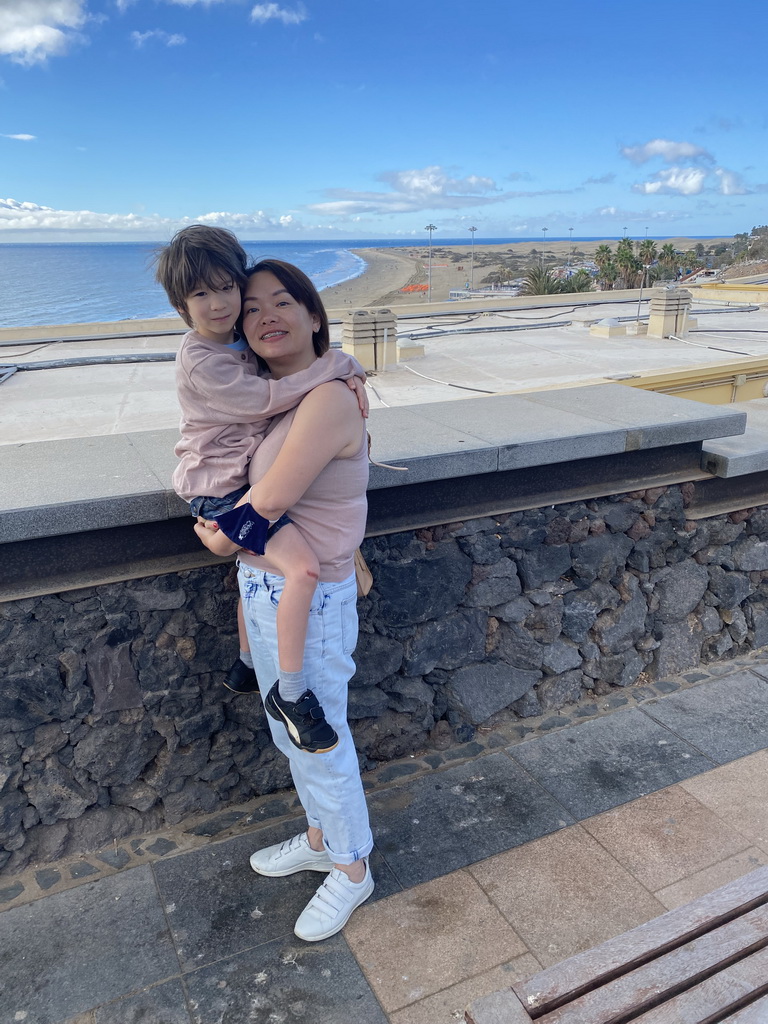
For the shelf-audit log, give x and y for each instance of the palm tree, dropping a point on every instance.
(627, 263)
(581, 281)
(647, 255)
(668, 256)
(603, 256)
(500, 275)
(539, 281)
(607, 275)
(648, 251)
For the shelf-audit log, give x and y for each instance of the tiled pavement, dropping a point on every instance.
(491, 861)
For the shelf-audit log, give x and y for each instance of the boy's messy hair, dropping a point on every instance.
(199, 255)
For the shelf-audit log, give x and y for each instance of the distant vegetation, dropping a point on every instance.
(641, 262)
(539, 280)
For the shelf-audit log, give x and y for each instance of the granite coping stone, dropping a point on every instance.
(736, 456)
(120, 479)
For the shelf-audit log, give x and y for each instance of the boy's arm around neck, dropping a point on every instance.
(232, 392)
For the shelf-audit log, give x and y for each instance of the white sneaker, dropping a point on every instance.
(289, 857)
(332, 905)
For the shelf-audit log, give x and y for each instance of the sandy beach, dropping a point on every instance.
(390, 270)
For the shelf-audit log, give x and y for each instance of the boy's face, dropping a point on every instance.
(214, 311)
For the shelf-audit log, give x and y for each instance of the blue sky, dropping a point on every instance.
(126, 119)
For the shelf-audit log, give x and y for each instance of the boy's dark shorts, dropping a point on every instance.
(209, 507)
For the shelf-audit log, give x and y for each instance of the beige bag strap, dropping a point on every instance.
(363, 574)
(383, 465)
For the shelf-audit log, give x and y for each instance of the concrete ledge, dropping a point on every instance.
(744, 454)
(736, 456)
(72, 486)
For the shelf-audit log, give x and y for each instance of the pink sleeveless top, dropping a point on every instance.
(332, 512)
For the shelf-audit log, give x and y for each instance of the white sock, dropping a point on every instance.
(246, 658)
(291, 685)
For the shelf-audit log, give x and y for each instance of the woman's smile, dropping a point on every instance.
(277, 326)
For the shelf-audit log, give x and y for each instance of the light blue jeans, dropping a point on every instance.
(328, 785)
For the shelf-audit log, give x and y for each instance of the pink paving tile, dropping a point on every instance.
(428, 938)
(738, 794)
(665, 836)
(447, 1007)
(711, 878)
(564, 893)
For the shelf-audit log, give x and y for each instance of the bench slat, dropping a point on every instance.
(755, 1013)
(556, 985)
(668, 974)
(706, 1003)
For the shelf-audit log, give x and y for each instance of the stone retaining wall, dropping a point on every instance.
(113, 719)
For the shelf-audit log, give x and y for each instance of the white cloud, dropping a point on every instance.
(432, 181)
(604, 179)
(20, 138)
(731, 183)
(30, 217)
(667, 150)
(634, 216)
(686, 181)
(274, 12)
(165, 38)
(33, 30)
(427, 188)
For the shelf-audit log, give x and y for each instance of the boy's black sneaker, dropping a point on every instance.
(241, 679)
(304, 719)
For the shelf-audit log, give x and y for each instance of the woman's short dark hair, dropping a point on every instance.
(300, 288)
(199, 255)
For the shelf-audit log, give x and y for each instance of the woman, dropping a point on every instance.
(312, 462)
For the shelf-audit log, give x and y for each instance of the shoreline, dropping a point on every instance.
(386, 272)
(389, 270)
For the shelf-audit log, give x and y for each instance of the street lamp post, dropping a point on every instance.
(646, 268)
(472, 262)
(545, 230)
(570, 249)
(430, 228)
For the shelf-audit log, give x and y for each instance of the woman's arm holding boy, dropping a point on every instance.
(326, 426)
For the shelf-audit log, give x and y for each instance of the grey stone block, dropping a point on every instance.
(654, 420)
(479, 691)
(84, 477)
(468, 812)
(431, 450)
(165, 1004)
(605, 762)
(218, 906)
(284, 980)
(726, 719)
(736, 456)
(57, 962)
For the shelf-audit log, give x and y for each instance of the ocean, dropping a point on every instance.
(95, 282)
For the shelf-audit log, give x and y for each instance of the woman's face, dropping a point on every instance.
(277, 327)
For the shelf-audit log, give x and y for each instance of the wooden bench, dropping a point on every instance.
(704, 963)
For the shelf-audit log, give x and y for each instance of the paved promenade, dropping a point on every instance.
(535, 840)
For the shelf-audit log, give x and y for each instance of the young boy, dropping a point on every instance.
(225, 410)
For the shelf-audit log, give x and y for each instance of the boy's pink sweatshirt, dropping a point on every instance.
(226, 406)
